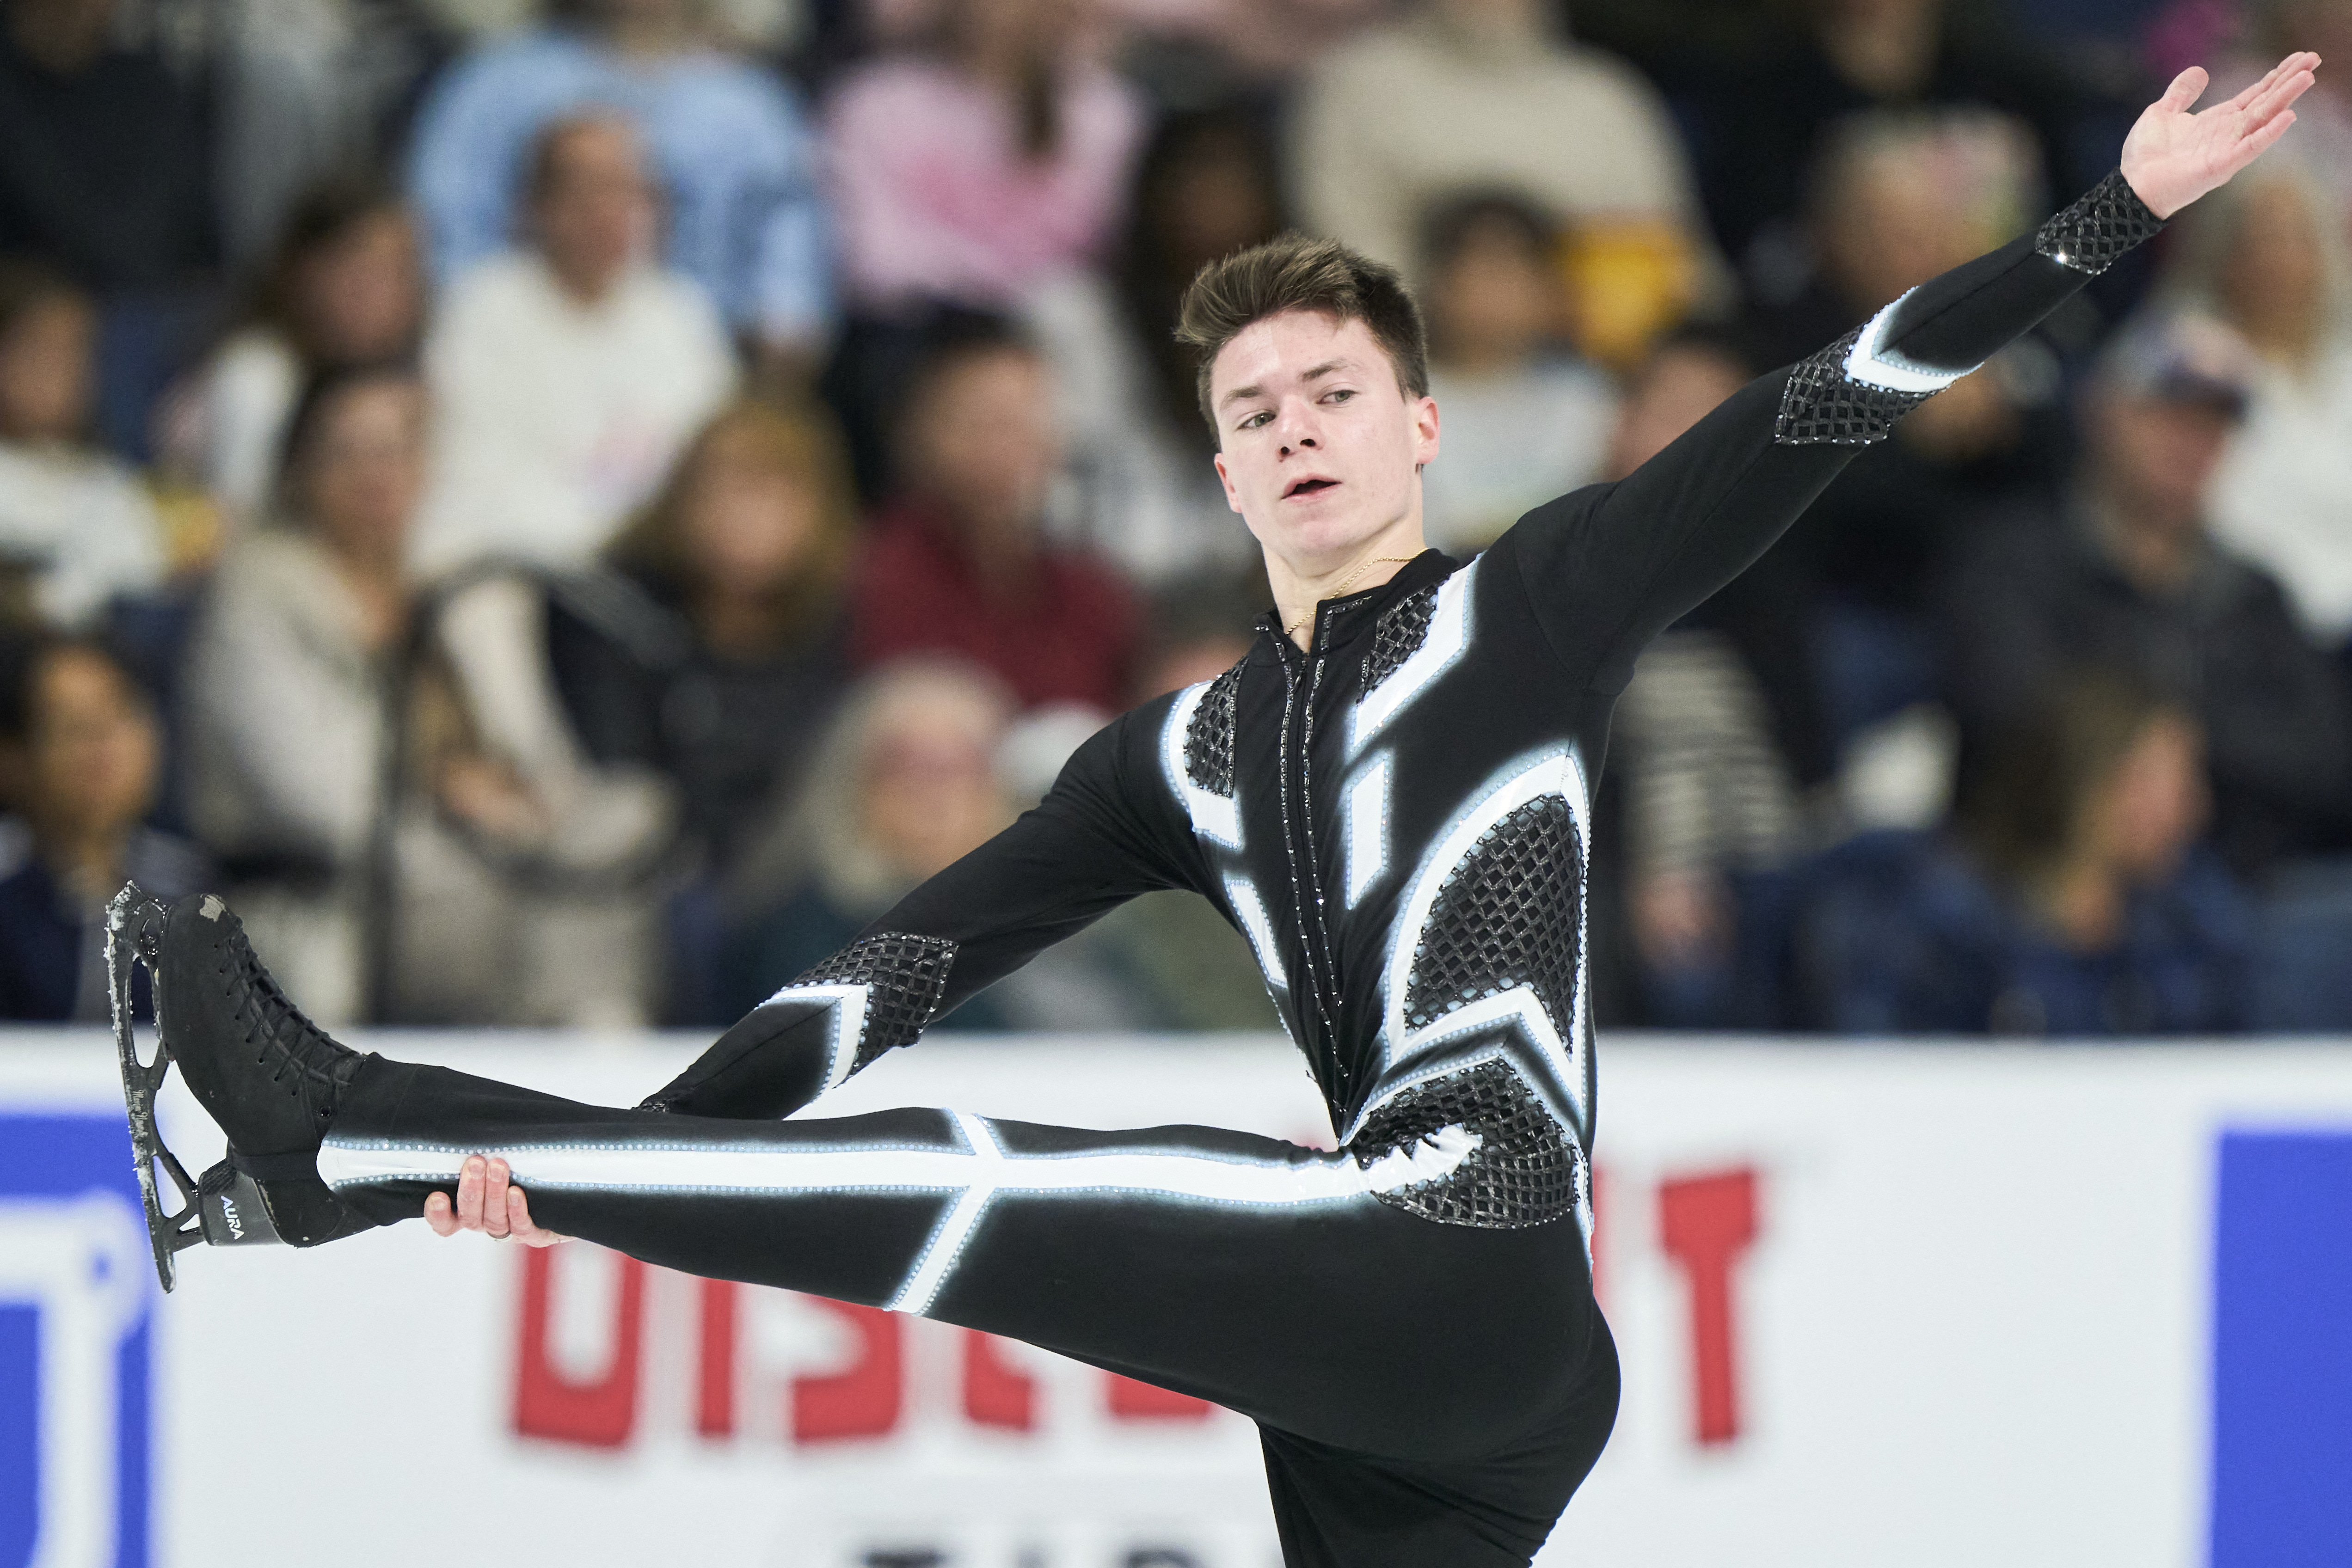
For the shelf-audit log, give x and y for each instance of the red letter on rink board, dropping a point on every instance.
(994, 1395)
(1133, 1401)
(598, 1412)
(714, 1394)
(1705, 1223)
(863, 1400)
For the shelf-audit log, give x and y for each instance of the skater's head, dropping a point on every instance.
(82, 745)
(353, 463)
(1315, 379)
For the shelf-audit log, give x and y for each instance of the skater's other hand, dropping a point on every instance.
(487, 1202)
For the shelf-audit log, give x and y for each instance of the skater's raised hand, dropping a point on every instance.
(487, 1202)
(2173, 156)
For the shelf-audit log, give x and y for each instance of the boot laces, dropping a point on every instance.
(299, 1053)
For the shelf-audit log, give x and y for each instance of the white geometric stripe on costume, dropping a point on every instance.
(1448, 638)
(977, 1172)
(1555, 1055)
(1872, 363)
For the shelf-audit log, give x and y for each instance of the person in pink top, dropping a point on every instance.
(971, 171)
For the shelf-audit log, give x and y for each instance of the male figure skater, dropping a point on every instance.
(1390, 796)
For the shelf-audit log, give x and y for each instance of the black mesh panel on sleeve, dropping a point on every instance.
(1403, 628)
(2089, 235)
(1824, 406)
(1523, 1172)
(905, 976)
(1209, 738)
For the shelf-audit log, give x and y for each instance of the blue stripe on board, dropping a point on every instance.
(2282, 1351)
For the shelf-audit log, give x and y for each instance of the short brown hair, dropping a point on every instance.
(1293, 272)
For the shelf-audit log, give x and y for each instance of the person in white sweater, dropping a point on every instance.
(388, 777)
(567, 374)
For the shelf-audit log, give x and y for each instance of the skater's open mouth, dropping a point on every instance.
(1313, 485)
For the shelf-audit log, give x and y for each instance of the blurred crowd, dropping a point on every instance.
(566, 510)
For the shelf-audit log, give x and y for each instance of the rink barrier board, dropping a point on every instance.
(1920, 1303)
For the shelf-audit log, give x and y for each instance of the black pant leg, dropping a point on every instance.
(1261, 1275)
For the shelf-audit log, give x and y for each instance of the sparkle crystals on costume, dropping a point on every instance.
(1521, 1171)
(1825, 405)
(1507, 916)
(1209, 737)
(904, 977)
(1403, 627)
(2089, 237)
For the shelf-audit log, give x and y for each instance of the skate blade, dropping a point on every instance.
(134, 925)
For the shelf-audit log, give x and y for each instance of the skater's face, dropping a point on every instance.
(1320, 448)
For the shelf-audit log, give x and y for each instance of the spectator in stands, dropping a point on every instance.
(1525, 420)
(735, 159)
(1899, 198)
(2067, 901)
(106, 162)
(2123, 574)
(290, 713)
(974, 169)
(1708, 793)
(389, 781)
(959, 564)
(1762, 109)
(343, 288)
(2323, 130)
(1479, 95)
(904, 784)
(738, 573)
(567, 375)
(76, 526)
(82, 745)
(1140, 456)
(105, 167)
(2271, 262)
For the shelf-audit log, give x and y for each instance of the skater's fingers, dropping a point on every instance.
(494, 1200)
(472, 1176)
(441, 1214)
(518, 1221)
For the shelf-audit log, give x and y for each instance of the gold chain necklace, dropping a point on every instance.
(1292, 627)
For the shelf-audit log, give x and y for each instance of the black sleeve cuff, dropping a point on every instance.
(2091, 235)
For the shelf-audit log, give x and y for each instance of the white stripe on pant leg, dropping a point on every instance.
(946, 1244)
(976, 1175)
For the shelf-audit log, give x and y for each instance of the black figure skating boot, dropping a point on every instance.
(268, 1075)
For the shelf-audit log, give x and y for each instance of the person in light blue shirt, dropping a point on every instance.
(737, 160)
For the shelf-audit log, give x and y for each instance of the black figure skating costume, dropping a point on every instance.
(1398, 819)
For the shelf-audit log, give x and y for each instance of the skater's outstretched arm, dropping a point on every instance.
(1106, 833)
(1610, 567)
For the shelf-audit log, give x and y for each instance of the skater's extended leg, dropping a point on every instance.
(1267, 1277)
